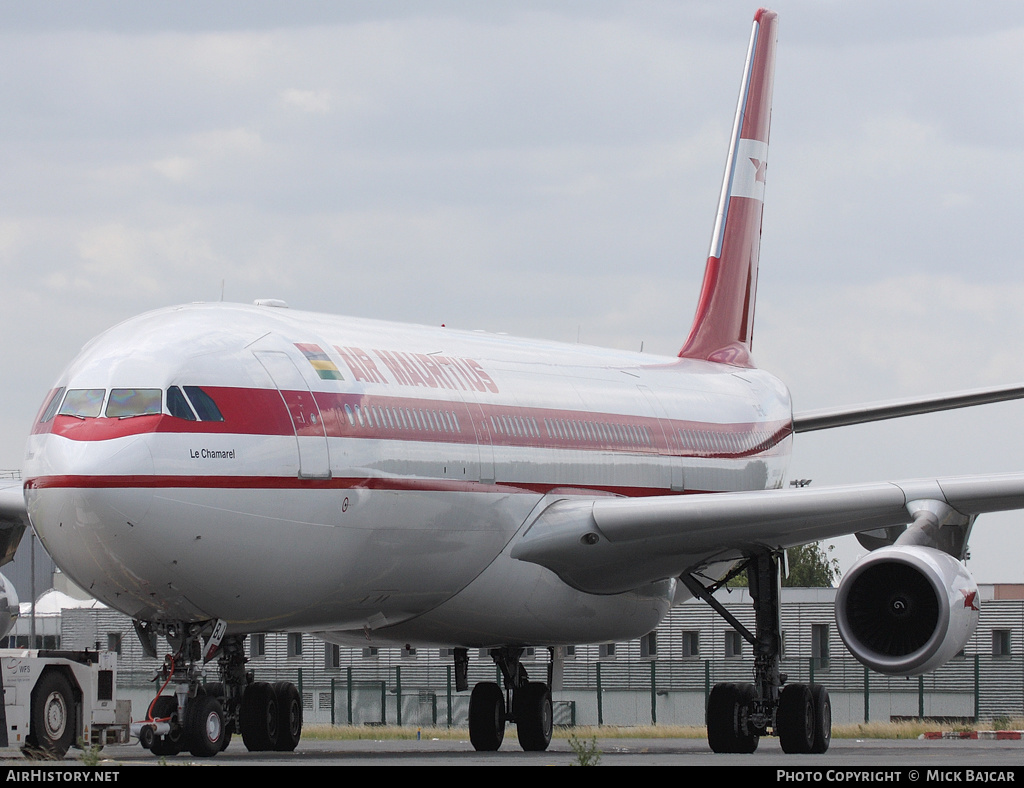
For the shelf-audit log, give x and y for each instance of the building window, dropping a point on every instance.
(733, 644)
(408, 652)
(819, 645)
(691, 644)
(332, 655)
(606, 651)
(114, 642)
(257, 646)
(294, 644)
(1001, 643)
(569, 652)
(370, 652)
(649, 645)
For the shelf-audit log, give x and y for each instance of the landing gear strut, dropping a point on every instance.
(739, 714)
(202, 718)
(524, 702)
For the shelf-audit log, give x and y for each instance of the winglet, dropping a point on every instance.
(723, 326)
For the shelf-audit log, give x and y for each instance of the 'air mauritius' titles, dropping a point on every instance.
(406, 369)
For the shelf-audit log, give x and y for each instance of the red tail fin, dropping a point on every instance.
(724, 323)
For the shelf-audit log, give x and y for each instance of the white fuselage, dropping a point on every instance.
(371, 478)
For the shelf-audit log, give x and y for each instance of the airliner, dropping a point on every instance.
(216, 470)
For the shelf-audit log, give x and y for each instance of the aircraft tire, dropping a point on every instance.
(166, 706)
(822, 706)
(289, 710)
(746, 738)
(720, 718)
(486, 717)
(727, 719)
(204, 726)
(795, 717)
(259, 717)
(216, 689)
(534, 716)
(52, 727)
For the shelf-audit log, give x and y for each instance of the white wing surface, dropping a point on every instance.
(613, 545)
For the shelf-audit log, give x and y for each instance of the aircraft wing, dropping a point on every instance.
(613, 545)
(824, 419)
(13, 520)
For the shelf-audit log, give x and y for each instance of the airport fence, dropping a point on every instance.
(644, 692)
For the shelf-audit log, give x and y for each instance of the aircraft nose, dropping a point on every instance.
(85, 496)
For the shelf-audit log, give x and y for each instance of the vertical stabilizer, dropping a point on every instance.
(724, 323)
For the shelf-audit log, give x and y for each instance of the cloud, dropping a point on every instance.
(316, 102)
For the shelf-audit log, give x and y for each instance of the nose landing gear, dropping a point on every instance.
(202, 718)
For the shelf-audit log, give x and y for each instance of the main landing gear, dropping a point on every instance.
(523, 702)
(202, 718)
(739, 714)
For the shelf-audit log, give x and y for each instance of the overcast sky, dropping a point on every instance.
(544, 169)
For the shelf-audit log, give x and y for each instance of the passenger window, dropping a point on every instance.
(83, 403)
(125, 403)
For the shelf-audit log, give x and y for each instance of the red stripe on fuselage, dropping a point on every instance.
(72, 482)
(249, 411)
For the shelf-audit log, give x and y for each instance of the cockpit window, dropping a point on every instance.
(52, 405)
(83, 403)
(206, 408)
(124, 403)
(177, 405)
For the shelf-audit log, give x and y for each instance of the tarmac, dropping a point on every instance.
(848, 760)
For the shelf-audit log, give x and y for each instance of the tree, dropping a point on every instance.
(809, 567)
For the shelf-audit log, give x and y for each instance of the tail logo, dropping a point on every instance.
(748, 180)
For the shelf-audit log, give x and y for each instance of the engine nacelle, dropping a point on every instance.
(8, 606)
(906, 609)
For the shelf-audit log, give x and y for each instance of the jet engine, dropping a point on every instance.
(906, 609)
(8, 606)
